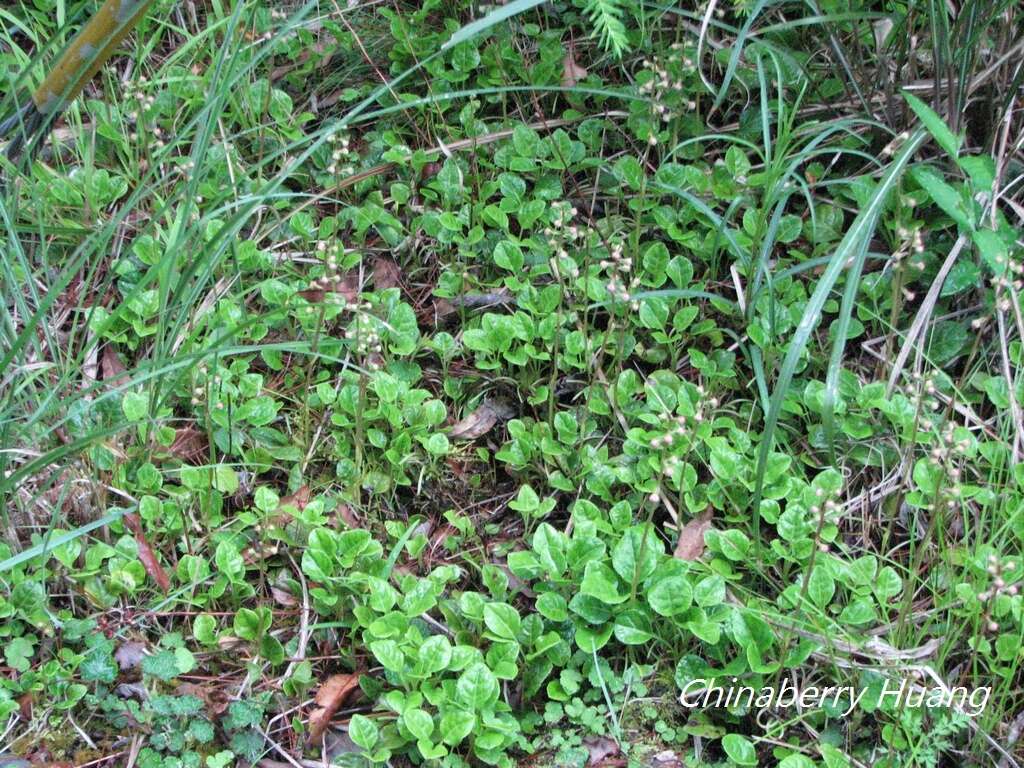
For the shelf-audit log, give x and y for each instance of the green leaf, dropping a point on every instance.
(670, 596)
(943, 136)
(162, 665)
(135, 406)
(419, 723)
(636, 555)
(435, 654)
(633, 628)
(225, 479)
(552, 606)
(526, 500)
(739, 749)
(477, 687)
(947, 198)
(550, 546)
(797, 761)
(628, 170)
(710, 591)
(599, 582)
(734, 544)
(993, 250)
(18, 651)
(247, 624)
(456, 725)
(437, 444)
(363, 731)
(821, 587)
(592, 640)
(503, 620)
(389, 654)
(833, 757)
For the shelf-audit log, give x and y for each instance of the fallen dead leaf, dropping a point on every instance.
(112, 368)
(299, 499)
(329, 698)
(296, 501)
(215, 700)
(480, 421)
(283, 597)
(347, 286)
(691, 538)
(599, 748)
(666, 759)
(442, 309)
(229, 642)
(25, 706)
(386, 274)
(572, 71)
(477, 424)
(147, 556)
(189, 444)
(130, 654)
(348, 516)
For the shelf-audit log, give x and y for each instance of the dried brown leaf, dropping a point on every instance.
(147, 556)
(599, 748)
(482, 420)
(189, 444)
(130, 654)
(442, 309)
(476, 424)
(229, 642)
(691, 538)
(572, 71)
(347, 286)
(215, 700)
(666, 759)
(299, 499)
(329, 698)
(348, 516)
(283, 597)
(386, 274)
(112, 368)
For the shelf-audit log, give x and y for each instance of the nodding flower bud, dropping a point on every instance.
(654, 498)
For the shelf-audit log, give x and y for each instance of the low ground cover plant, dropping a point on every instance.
(454, 385)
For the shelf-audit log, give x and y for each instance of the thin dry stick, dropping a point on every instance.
(1015, 414)
(300, 651)
(924, 312)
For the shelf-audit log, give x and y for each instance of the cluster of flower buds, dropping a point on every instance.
(563, 234)
(666, 80)
(949, 448)
(366, 336)
(1009, 279)
(890, 149)
(145, 101)
(620, 266)
(203, 383)
(923, 392)
(342, 158)
(998, 571)
(825, 505)
(332, 278)
(911, 242)
(676, 428)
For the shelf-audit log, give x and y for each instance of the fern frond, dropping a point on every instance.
(606, 16)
